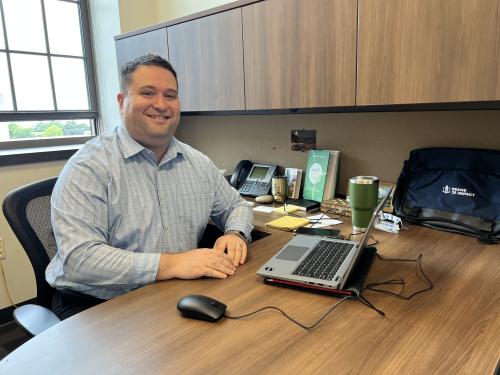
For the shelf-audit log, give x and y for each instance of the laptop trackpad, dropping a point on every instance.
(292, 252)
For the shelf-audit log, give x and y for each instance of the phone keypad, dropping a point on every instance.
(254, 188)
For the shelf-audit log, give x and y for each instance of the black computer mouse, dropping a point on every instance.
(201, 307)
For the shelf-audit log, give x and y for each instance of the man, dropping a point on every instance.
(130, 207)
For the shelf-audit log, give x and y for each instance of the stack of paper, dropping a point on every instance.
(322, 220)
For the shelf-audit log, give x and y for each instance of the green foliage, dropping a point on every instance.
(40, 127)
(53, 131)
(73, 128)
(17, 132)
(48, 129)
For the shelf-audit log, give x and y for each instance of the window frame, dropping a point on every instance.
(19, 147)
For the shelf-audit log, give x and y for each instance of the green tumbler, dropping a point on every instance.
(363, 198)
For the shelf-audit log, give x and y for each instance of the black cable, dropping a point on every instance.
(420, 271)
(365, 302)
(289, 317)
(354, 234)
(375, 241)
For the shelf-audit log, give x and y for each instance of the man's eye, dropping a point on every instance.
(147, 93)
(171, 95)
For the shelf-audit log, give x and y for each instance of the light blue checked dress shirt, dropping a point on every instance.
(115, 209)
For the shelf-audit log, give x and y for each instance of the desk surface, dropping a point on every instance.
(451, 329)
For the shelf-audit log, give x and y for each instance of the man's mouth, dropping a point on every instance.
(158, 117)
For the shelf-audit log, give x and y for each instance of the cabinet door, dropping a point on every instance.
(207, 54)
(129, 48)
(428, 51)
(299, 53)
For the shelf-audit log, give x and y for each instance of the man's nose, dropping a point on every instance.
(160, 102)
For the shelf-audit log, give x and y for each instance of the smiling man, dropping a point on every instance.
(130, 207)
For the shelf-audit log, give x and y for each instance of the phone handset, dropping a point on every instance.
(253, 179)
(240, 173)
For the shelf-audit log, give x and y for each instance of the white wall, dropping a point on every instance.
(105, 25)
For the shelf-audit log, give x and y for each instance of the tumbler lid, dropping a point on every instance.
(363, 180)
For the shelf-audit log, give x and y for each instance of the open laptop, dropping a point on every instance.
(318, 261)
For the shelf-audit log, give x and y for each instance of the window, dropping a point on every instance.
(47, 87)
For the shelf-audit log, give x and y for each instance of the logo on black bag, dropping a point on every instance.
(457, 191)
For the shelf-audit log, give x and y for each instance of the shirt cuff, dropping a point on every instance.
(145, 268)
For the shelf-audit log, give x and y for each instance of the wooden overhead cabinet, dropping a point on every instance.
(299, 54)
(428, 51)
(132, 47)
(207, 54)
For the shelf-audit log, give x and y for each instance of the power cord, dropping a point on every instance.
(6, 287)
(289, 317)
(420, 274)
(367, 303)
(375, 241)
(359, 298)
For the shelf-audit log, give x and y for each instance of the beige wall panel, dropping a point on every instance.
(167, 10)
(18, 272)
(136, 14)
(370, 143)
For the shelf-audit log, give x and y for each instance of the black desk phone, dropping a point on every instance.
(253, 179)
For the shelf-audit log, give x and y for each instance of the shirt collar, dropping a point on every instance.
(174, 150)
(128, 145)
(131, 147)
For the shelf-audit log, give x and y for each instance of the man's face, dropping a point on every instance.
(150, 108)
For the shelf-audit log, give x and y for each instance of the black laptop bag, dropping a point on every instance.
(452, 189)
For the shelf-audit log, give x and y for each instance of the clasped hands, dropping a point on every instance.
(229, 252)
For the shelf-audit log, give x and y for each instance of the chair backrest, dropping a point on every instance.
(27, 210)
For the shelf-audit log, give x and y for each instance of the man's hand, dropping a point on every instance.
(235, 247)
(195, 264)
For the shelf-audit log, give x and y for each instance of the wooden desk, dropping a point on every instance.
(452, 329)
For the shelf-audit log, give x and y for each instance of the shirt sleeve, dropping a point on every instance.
(230, 211)
(85, 262)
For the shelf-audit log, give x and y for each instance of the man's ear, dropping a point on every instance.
(120, 98)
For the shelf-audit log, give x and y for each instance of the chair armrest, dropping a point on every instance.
(34, 319)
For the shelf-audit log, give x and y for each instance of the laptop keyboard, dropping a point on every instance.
(324, 260)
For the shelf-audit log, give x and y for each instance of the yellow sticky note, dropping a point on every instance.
(289, 209)
(288, 223)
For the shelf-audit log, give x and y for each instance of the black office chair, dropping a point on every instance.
(27, 210)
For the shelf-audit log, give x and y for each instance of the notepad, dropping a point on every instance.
(288, 223)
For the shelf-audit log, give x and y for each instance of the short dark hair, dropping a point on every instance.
(146, 60)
